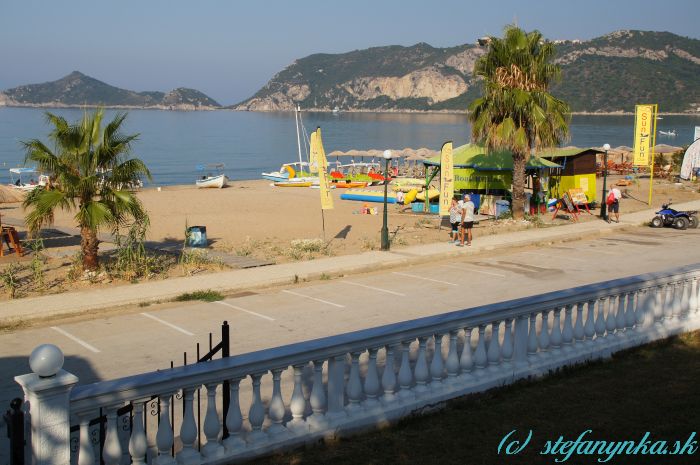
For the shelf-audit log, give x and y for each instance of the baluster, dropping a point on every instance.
(422, 373)
(600, 321)
(620, 323)
(658, 303)
(532, 336)
(630, 317)
(676, 308)
(589, 327)
(297, 404)
(234, 419)
(555, 338)
(669, 302)
(276, 410)
(389, 377)
(354, 387)
(336, 388)
(112, 450)
(480, 359)
(212, 425)
(86, 454)
(372, 388)
(436, 365)
(317, 399)
(643, 311)
(256, 414)
(544, 335)
(188, 430)
(610, 323)
(693, 300)
(405, 374)
(567, 335)
(452, 364)
(138, 443)
(465, 361)
(579, 334)
(685, 298)
(494, 351)
(164, 436)
(507, 348)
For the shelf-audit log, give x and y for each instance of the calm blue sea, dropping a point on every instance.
(173, 143)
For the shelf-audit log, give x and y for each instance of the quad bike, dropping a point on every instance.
(667, 216)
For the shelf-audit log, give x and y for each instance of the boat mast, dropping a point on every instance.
(297, 117)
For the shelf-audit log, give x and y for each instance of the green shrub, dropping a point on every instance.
(207, 296)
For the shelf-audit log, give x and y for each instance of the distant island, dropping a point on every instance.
(78, 90)
(608, 74)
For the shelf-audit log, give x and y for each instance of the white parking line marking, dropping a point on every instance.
(461, 268)
(549, 256)
(176, 328)
(79, 341)
(374, 288)
(313, 298)
(244, 310)
(415, 276)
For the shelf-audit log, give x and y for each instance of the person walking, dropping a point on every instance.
(467, 221)
(455, 219)
(614, 207)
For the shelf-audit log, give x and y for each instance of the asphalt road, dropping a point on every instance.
(151, 337)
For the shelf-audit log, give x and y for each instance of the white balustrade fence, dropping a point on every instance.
(301, 392)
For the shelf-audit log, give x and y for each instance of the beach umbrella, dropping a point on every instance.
(663, 148)
(10, 195)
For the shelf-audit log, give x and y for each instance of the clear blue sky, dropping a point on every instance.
(229, 49)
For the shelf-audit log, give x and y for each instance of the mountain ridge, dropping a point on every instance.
(79, 90)
(606, 74)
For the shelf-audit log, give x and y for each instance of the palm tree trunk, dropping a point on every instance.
(518, 185)
(88, 246)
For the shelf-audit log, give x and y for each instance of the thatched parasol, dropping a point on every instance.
(663, 148)
(10, 195)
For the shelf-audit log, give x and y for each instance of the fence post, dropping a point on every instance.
(14, 418)
(226, 389)
(47, 390)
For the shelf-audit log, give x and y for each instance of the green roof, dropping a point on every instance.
(566, 152)
(476, 156)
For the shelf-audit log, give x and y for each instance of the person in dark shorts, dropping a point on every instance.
(614, 207)
(467, 221)
(455, 219)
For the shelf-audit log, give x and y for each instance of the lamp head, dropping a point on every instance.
(46, 360)
(606, 147)
(387, 154)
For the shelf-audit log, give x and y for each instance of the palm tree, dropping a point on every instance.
(90, 173)
(516, 111)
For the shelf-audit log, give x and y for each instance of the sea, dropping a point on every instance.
(174, 143)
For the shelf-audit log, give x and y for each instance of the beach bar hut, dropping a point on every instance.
(578, 170)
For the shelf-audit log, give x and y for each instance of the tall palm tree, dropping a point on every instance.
(516, 111)
(90, 172)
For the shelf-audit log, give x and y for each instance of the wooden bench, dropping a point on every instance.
(9, 236)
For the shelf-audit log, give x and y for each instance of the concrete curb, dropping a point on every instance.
(32, 309)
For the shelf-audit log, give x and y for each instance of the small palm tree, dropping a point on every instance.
(90, 174)
(516, 111)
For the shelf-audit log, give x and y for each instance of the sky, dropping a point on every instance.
(229, 49)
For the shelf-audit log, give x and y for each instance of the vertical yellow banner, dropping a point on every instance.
(643, 133)
(447, 184)
(323, 178)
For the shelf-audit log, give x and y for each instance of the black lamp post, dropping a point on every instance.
(603, 204)
(385, 227)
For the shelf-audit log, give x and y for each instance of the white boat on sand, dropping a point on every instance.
(212, 180)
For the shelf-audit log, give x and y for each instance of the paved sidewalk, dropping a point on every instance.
(233, 281)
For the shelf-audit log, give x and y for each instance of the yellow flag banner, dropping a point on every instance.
(644, 122)
(323, 178)
(447, 185)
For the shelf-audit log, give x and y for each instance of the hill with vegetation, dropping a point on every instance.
(77, 90)
(606, 74)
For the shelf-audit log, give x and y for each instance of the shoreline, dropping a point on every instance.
(314, 110)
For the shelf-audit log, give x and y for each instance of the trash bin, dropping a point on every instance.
(196, 236)
(502, 206)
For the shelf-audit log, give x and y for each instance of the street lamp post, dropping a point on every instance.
(385, 227)
(603, 204)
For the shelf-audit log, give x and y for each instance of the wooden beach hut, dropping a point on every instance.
(578, 170)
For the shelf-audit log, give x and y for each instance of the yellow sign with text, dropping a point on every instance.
(644, 124)
(323, 179)
(447, 180)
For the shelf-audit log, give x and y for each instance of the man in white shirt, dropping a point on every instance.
(467, 221)
(615, 206)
